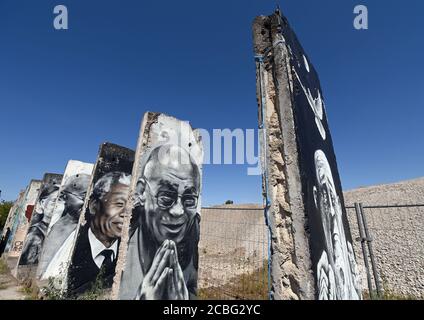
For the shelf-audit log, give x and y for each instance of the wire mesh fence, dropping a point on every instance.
(397, 235)
(233, 249)
(233, 254)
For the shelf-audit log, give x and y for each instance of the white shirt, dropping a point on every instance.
(97, 247)
(58, 264)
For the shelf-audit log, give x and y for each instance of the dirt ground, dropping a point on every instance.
(9, 288)
(233, 247)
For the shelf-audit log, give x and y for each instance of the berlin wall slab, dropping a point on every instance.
(161, 230)
(64, 220)
(8, 225)
(94, 252)
(312, 255)
(12, 212)
(22, 217)
(39, 221)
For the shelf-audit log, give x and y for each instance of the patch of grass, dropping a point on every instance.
(3, 286)
(388, 294)
(248, 286)
(30, 290)
(51, 291)
(96, 292)
(4, 269)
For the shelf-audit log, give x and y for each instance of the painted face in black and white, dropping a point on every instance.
(170, 197)
(328, 204)
(109, 219)
(48, 203)
(73, 192)
(326, 198)
(110, 195)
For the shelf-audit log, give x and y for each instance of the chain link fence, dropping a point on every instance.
(233, 254)
(396, 233)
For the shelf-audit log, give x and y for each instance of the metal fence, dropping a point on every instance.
(233, 249)
(395, 241)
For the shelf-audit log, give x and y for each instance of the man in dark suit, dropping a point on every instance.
(96, 250)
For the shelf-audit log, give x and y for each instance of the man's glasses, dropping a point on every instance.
(167, 199)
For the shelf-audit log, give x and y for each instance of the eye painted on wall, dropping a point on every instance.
(165, 135)
(119, 204)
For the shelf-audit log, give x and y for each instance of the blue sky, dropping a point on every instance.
(62, 93)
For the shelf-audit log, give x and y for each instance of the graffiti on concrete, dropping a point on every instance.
(17, 246)
(20, 224)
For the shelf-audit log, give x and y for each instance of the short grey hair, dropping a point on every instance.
(105, 183)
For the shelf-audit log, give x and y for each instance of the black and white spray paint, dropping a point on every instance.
(61, 230)
(95, 251)
(162, 257)
(333, 259)
(40, 219)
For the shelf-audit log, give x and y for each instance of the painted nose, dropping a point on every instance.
(177, 209)
(122, 213)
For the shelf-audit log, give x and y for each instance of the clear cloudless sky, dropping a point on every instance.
(62, 93)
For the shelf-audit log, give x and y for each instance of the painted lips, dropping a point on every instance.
(173, 227)
(119, 225)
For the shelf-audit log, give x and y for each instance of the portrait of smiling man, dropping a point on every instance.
(162, 257)
(96, 249)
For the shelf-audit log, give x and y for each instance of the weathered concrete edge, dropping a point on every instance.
(291, 276)
(143, 141)
(295, 194)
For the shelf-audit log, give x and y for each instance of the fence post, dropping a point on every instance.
(370, 248)
(364, 249)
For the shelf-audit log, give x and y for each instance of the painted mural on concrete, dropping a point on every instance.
(96, 247)
(7, 229)
(161, 261)
(330, 239)
(40, 219)
(21, 222)
(61, 230)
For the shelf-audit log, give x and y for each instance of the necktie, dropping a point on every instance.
(107, 264)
